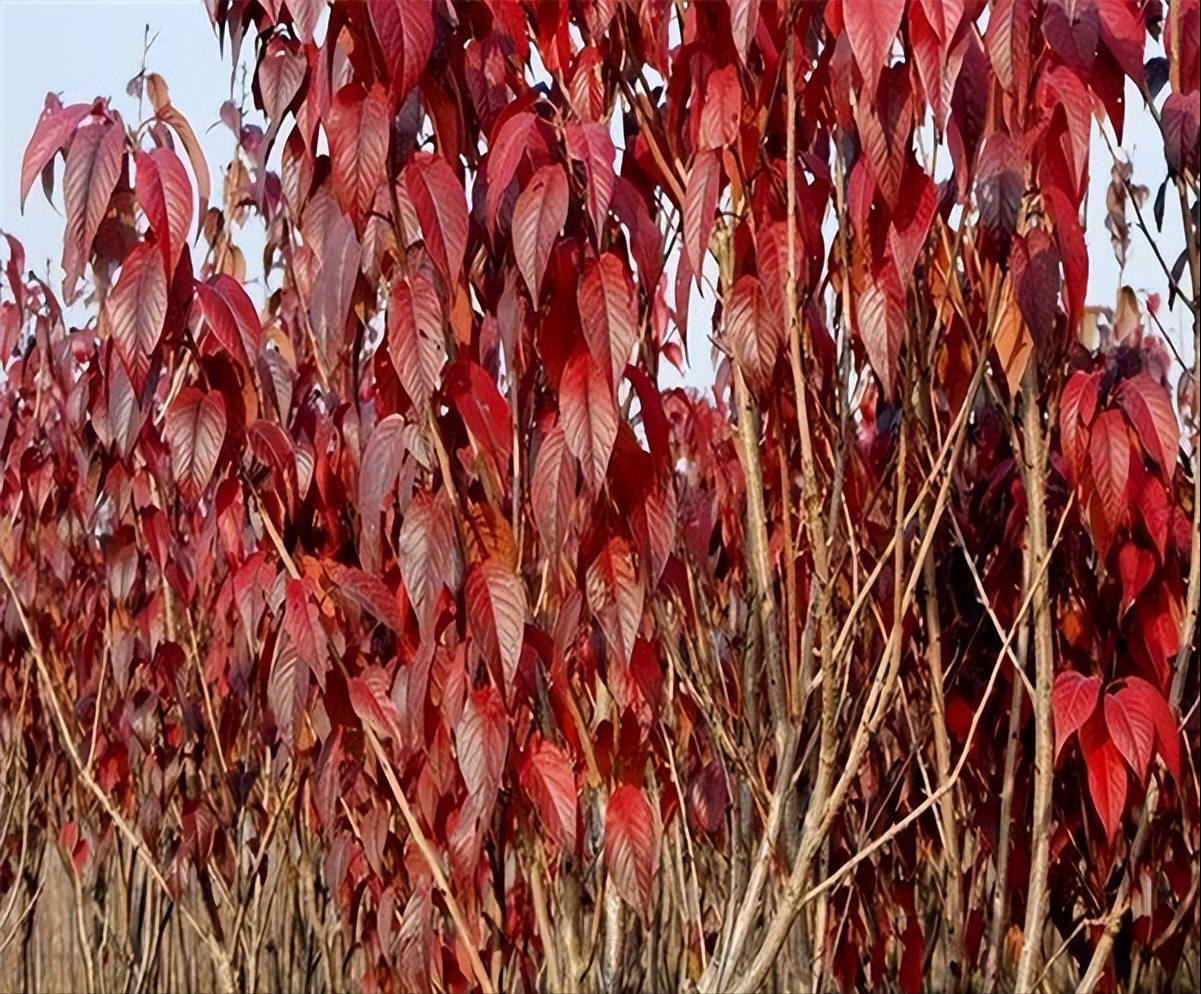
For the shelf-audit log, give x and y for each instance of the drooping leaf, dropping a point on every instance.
(231, 315)
(280, 74)
(334, 288)
(497, 611)
(165, 195)
(591, 145)
(589, 416)
(53, 131)
(424, 551)
(1148, 405)
(1109, 459)
(368, 592)
(482, 744)
(880, 313)
(380, 466)
(358, 130)
(1000, 185)
(552, 489)
(548, 780)
(441, 209)
(504, 155)
(405, 30)
(483, 409)
(137, 308)
(872, 28)
(1135, 567)
(1035, 267)
(722, 109)
(1131, 727)
(195, 433)
(608, 314)
(615, 595)
(1144, 697)
(753, 335)
(93, 167)
(1106, 774)
(1073, 700)
(700, 203)
(302, 622)
(538, 216)
(416, 341)
(632, 848)
(370, 700)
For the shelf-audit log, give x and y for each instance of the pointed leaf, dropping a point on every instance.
(441, 208)
(358, 129)
(497, 611)
(538, 217)
(632, 848)
(302, 622)
(1132, 728)
(609, 314)
(548, 780)
(1073, 700)
(482, 743)
(589, 417)
(1109, 458)
(416, 341)
(137, 308)
(1148, 405)
(424, 551)
(93, 167)
(165, 195)
(592, 145)
(1106, 774)
(195, 432)
(700, 203)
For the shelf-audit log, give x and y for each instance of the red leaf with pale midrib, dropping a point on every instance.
(195, 432)
(1109, 458)
(609, 314)
(589, 417)
(538, 216)
(631, 848)
(1073, 700)
(137, 308)
(548, 780)
(358, 130)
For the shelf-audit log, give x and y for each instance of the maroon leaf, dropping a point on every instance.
(504, 155)
(589, 416)
(1073, 700)
(591, 145)
(722, 109)
(368, 592)
(1109, 458)
(405, 29)
(52, 132)
(416, 341)
(424, 552)
(1035, 266)
(380, 467)
(358, 130)
(744, 19)
(753, 334)
(93, 167)
(287, 691)
(483, 409)
(334, 288)
(1167, 733)
(632, 848)
(497, 611)
(609, 314)
(1148, 405)
(1131, 727)
(552, 490)
(548, 780)
(482, 743)
(538, 217)
(302, 622)
(615, 595)
(370, 700)
(1181, 119)
(1136, 567)
(137, 308)
(872, 28)
(700, 203)
(1106, 774)
(1000, 185)
(441, 209)
(880, 313)
(232, 316)
(165, 195)
(195, 432)
(1072, 29)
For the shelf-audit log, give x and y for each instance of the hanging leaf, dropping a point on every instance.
(1073, 700)
(497, 611)
(416, 341)
(700, 203)
(1109, 459)
(1148, 405)
(482, 744)
(880, 313)
(51, 134)
(93, 167)
(591, 145)
(164, 193)
(609, 314)
(195, 433)
(615, 595)
(380, 467)
(424, 552)
(872, 28)
(632, 848)
(553, 489)
(405, 29)
(589, 417)
(358, 130)
(1132, 728)
(137, 308)
(302, 622)
(437, 198)
(538, 217)
(1106, 774)
(548, 780)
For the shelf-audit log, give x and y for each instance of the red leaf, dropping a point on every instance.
(1109, 457)
(1106, 774)
(1131, 727)
(287, 691)
(137, 308)
(195, 433)
(165, 195)
(368, 592)
(504, 156)
(538, 217)
(302, 622)
(424, 551)
(911, 221)
(609, 314)
(615, 595)
(1077, 405)
(379, 469)
(1073, 700)
(722, 109)
(1000, 185)
(1136, 567)
(1125, 35)
(483, 409)
(1167, 732)
(231, 314)
(93, 167)
(370, 700)
(497, 611)
(872, 28)
(753, 335)
(334, 288)
(880, 312)
(632, 848)
(441, 208)
(548, 780)
(358, 129)
(416, 341)
(589, 416)
(482, 743)
(744, 20)
(552, 490)
(1181, 119)
(1073, 252)
(1008, 42)
(52, 132)
(1035, 267)
(405, 29)
(170, 116)
(1148, 405)
(1072, 29)
(592, 145)
(280, 73)
(700, 203)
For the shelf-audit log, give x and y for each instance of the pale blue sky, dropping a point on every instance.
(87, 48)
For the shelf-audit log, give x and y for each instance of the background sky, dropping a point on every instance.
(90, 48)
